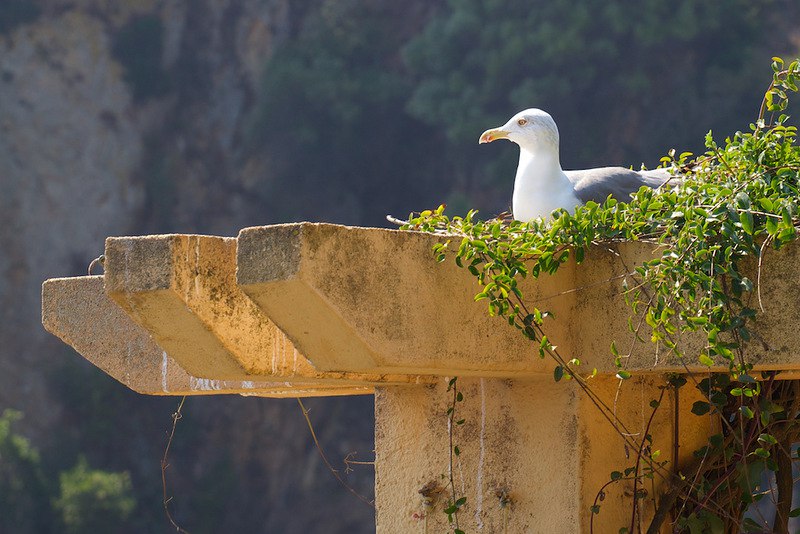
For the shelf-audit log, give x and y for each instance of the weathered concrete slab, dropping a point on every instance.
(371, 306)
(78, 311)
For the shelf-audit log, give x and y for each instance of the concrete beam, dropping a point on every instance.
(370, 307)
(182, 289)
(78, 311)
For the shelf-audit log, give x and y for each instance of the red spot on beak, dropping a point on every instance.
(492, 135)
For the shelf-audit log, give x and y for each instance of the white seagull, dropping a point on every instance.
(541, 186)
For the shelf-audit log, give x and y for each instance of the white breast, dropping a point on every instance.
(541, 187)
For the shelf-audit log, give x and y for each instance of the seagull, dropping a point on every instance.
(541, 186)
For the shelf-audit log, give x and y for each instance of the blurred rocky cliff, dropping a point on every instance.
(121, 118)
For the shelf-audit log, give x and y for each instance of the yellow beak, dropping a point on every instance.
(492, 135)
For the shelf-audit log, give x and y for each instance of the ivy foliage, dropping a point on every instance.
(730, 205)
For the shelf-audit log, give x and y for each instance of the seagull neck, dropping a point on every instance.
(541, 186)
(541, 166)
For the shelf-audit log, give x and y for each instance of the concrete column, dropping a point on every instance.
(533, 454)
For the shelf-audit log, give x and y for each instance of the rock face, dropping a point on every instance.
(124, 118)
(69, 150)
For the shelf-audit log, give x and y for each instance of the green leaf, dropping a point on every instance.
(705, 360)
(677, 381)
(698, 321)
(768, 439)
(761, 452)
(718, 398)
(558, 373)
(771, 226)
(623, 375)
(715, 524)
(701, 408)
(544, 346)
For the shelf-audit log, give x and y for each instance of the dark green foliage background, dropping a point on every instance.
(393, 111)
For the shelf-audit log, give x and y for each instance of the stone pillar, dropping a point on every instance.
(533, 454)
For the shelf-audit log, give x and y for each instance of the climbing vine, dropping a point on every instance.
(731, 204)
(456, 502)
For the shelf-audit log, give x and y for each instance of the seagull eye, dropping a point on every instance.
(522, 122)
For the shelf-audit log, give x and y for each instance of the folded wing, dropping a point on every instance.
(619, 182)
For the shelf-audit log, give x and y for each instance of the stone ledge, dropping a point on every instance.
(323, 306)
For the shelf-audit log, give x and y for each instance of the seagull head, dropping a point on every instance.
(533, 130)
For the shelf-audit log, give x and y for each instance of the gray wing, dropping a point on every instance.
(619, 182)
